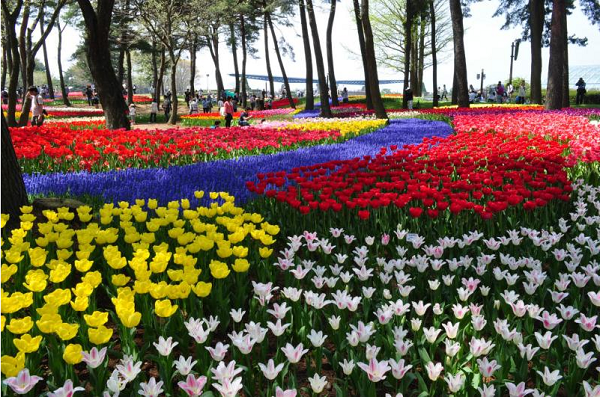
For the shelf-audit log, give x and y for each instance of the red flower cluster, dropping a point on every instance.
(43, 149)
(74, 113)
(583, 137)
(481, 172)
(140, 98)
(282, 103)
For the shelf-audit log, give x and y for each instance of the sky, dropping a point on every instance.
(487, 47)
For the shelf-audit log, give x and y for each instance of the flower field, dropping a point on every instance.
(339, 257)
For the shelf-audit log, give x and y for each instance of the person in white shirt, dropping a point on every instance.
(153, 111)
(37, 106)
(132, 113)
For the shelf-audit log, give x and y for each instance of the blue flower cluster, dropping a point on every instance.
(177, 182)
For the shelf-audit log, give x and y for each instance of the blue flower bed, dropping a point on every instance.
(177, 182)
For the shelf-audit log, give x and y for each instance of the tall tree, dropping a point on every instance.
(554, 96)
(408, 47)
(324, 95)
(460, 61)
(363, 52)
(434, 52)
(286, 83)
(10, 17)
(212, 42)
(536, 23)
(233, 44)
(97, 22)
(61, 76)
(14, 194)
(267, 57)
(193, 51)
(45, 53)
(373, 77)
(310, 96)
(330, 63)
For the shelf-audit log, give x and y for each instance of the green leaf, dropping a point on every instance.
(424, 356)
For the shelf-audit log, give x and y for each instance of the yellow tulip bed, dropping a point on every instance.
(79, 279)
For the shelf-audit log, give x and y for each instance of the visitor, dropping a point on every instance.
(580, 91)
(499, 92)
(4, 96)
(37, 106)
(408, 94)
(252, 101)
(96, 100)
(134, 89)
(132, 113)
(205, 107)
(193, 106)
(89, 94)
(187, 96)
(521, 93)
(167, 107)
(345, 95)
(472, 96)
(217, 124)
(444, 93)
(244, 116)
(228, 110)
(509, 92)
(492, 96)
(234, 103)
(153, 111)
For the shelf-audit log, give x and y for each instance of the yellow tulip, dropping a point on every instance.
(240, 251)
(48, 323)
(47, 309)
(72, 354)
(265, 252)
(142, 287)
(96, 319)
(27, 343)
(241, 265)
(130, 319)
(26, 209)
(37, 256)
(175, 275)
(199, 194)
(66, 331)
(82, 289)
(58, 297)
(81, 303)
(7, 272)
(13, 256)
(100, 335)
(20, 325)
(11, 366)
(61, 272)
(92, 278)
(218, 269)
(120, 280)
(159, 290)
(83, 265)
(64, 254)
(3, 220)
(163, 308)
(2, 323)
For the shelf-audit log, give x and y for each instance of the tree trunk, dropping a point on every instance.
(286, 83)
(267, 57)
(236, 68)
(27, 81)
(193, 50)
(554, 96)
(414, 62)
(325, 108)
(408, 47)
(14, 194)
(129, 77)
(421, 63)
(98, 55)
(61, 77)
(213, 46)
(174, 101)
(329, 44)
(363, 53)
(244, 60)
(460, 62)
(121, 65)
(454, 96)
(310, 96)
(13, 58)
(565, 82)
(154, 69)
(161, 75)
(433, 53)
(4, 63)
(536, 23)
(46, 64)
(372, 62)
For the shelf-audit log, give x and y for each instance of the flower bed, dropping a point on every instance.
(55, 148)
(481, 172)
(208, 119)
(227, 175)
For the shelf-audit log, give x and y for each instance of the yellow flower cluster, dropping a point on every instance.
(50, 272)
(344, 126)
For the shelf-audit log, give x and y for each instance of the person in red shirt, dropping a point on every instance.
(228, 112)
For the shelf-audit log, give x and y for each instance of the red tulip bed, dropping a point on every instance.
(58, 148)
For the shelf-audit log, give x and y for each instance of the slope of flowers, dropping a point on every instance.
(168, 184)
(481, 172)
(385, 311)
(583, 137)
(55, 148)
